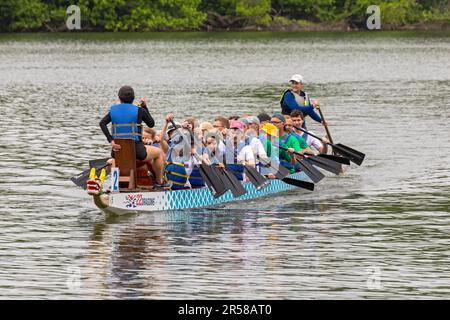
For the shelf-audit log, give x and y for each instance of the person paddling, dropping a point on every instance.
(288, 128)
(238, 153)
(297, 99)
(320, 145)
(126, 119)
(286, 140)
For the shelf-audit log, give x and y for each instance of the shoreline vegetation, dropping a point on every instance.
(222, 15)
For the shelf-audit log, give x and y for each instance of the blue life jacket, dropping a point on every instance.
(175, 172)
(124, 118)
(283, 162)
(285, 108)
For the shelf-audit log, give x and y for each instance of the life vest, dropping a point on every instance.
(124, 118)
(283, 162)
(285, 109)
(175, 172)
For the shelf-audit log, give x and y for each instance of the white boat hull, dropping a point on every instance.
(124, 203)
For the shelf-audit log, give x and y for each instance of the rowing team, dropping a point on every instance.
(263, 142)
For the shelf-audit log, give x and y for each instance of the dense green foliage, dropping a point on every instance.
(146, 15)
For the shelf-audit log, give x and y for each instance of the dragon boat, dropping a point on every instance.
(124, 202)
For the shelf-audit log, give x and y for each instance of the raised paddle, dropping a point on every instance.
(82, 178)
(97, 162)
(352, 154)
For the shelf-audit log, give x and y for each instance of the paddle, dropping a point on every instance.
(229, 180)
(256, 178)
(221, 177)
(82, 178)
(326, 127)
(323, 163)
(352, 154)
(237, 188)
(209, 173)
(282, 173)
(314, 174)
(299, 183)
(213, 180)
(338, 159)
(97, 162)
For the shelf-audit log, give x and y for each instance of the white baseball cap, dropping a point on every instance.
(297, 78)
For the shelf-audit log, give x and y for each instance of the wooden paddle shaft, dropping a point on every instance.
(326, 127)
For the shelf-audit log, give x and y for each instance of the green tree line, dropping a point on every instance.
(173, 15)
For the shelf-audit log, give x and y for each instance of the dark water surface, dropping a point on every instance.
(378, 231)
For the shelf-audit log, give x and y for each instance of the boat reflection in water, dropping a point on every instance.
(170, 254)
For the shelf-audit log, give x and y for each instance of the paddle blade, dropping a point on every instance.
(237, 188)
(256, 178)
(338, 159)
(299, 183)
(282, 172)
(81, 179)
(97, 162)
(326, 164)
(354, 155)
(314, 174)
(212, 180)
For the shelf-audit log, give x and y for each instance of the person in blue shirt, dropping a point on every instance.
(126, 119)
(296, 99)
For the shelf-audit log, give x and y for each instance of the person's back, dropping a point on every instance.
(126, 119)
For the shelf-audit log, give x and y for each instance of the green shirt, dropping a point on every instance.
(291, 142)
(301, 141)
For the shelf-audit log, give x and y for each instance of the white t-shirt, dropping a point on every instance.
(258, 149)
(312, 142)
(245, 154)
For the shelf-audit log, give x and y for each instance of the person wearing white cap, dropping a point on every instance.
(296, 99)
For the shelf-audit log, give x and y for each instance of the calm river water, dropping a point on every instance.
(381, 230)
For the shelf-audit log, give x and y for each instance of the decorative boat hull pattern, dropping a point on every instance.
(122, 203)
